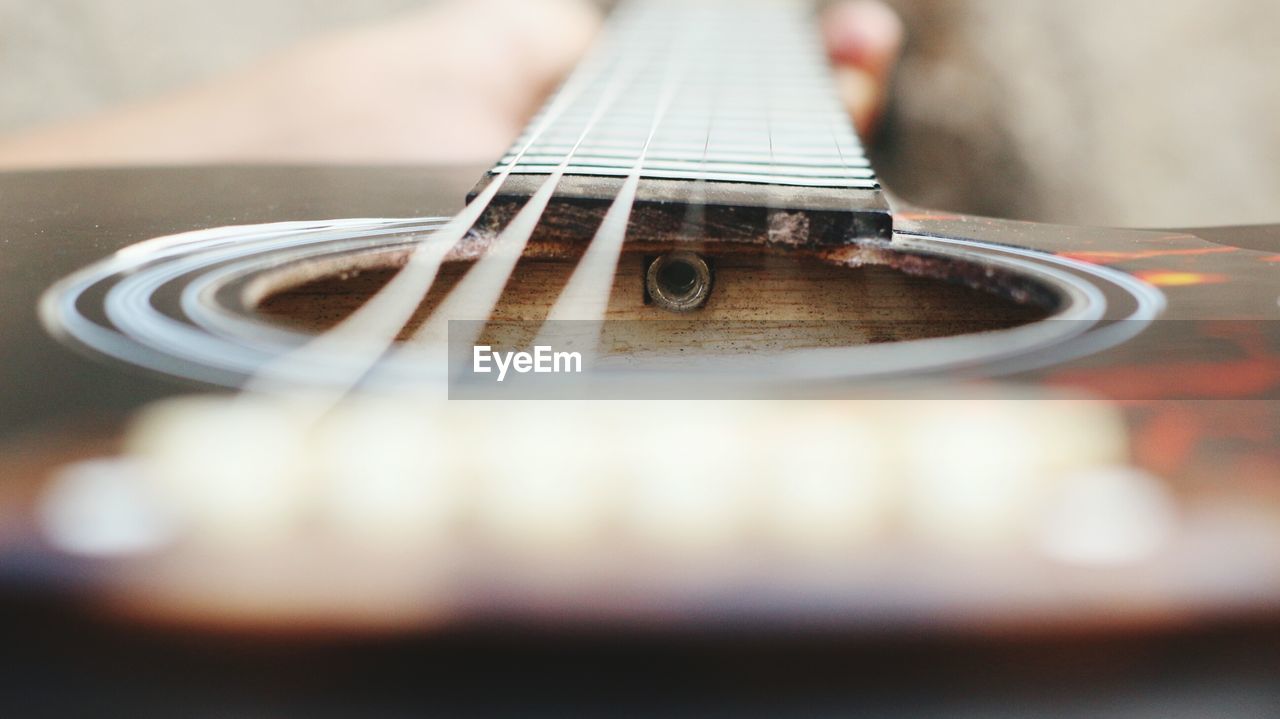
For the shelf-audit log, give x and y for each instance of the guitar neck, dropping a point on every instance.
(723, 106)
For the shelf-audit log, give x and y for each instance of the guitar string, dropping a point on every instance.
(584, 300)
(364, 337)
(694, 226)
(377, 323)
(585, 297)
(765, 70)
(834, 113)
(476, 296)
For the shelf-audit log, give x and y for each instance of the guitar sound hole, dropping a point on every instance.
(760, 303)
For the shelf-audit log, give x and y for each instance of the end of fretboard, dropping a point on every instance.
(667, 211)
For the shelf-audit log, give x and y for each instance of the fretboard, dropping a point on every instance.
(726, 112)
(735, 91)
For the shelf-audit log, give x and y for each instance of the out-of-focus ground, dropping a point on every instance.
(1138, 112)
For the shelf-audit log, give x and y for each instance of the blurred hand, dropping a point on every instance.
(452, 83)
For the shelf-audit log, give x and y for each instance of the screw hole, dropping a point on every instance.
(679, 281)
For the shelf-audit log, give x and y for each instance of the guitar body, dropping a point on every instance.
(960, 435)
(1198, 378)
(1197, 387)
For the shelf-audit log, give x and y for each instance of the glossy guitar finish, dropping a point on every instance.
(1197, 376)
(1175, 328)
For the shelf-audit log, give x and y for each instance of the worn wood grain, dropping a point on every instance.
(759, 303)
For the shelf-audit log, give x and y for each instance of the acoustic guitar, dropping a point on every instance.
(676, 365)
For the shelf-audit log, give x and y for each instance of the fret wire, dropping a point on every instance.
(591, 156)
(808, 153)
(777, 178)
(765, 168)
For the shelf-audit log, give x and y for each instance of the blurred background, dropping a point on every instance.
(1144, 112)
